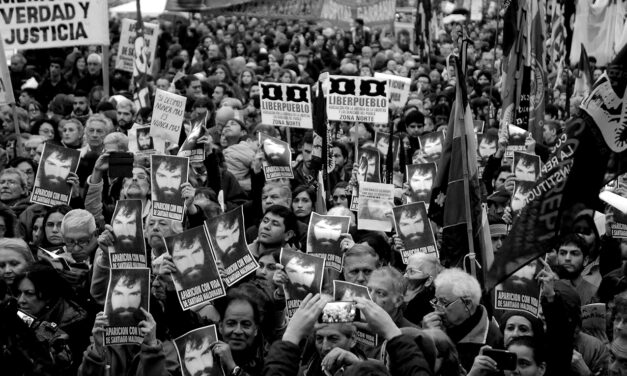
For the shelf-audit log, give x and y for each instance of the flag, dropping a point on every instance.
(524, 79)
(141, 64)
(583, 81)
(456, 196)
(573, 176)
(423, 18)
(322, 154)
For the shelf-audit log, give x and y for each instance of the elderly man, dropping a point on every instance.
(459, 313)
(14, 190)
(97, 128)
(94, 74)
(360, 261)
(422, 269)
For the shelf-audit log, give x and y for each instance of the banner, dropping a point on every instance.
(324, 236)
(55, 165)
(125, 60)
(6, 88)
(375, 13)
(167, 116)
(227, 235)
(398, 88)
(54, 23)
(127, 293)
(196, 280)
(286, 105)
(357, 99)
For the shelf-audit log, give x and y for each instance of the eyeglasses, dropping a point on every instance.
(437, 303)
(84, 242)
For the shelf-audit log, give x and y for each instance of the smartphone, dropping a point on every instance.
(121, 164)
(505, 360)
(339, 312)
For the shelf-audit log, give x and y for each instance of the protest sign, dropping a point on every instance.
(382, 141)
(126, 48)
(519, 292)
(431, 146)
(128, 292)
(191, 148)
(521, 191)
(487, 144)
(286, 105)
(167, 116)
(140, 141)
(6, 87)
(194, 350)
(346, 291)
(376, 201)
(196, 280)
(129, 248)
(398, 88)
(167, 175)
(324, 235)
(277, 162)
(368, 170)
(341, 13)
(56, 163)
(526, 167)
(515, 141)
(593, 317)
(227, 235)
(55, 23)
(618, 225)
(414, 228)
(304, 274)
(420, 178)
(357, 99)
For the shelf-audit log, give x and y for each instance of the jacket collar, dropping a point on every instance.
(478, 334)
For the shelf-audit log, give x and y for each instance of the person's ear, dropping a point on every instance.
(541, 369)
(288, 235)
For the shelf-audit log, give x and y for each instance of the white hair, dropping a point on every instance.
(126, 103)
(342, 211)
(119, 138)
(78, 219)
(432, 262)
(462, 284)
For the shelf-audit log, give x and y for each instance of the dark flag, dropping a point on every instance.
(573, 175)
(322, 154)
(423, 19)
(455, 196)
(583, 81)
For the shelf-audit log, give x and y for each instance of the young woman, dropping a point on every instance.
(15, 258)
(303, 202)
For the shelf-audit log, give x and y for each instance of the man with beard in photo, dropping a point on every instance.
(144, 141)
(227, 239)
(190, 261)
(126, 227)
(572, 256)
(168, 177)
(420, 182)
(325, 236)
(275, 153)
(525, 167)
(126, 297)
(56, 168)
(301, 275)
(196, 354)
(368, 165)
(431, 146)
(411, 227)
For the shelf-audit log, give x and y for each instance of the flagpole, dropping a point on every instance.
(464, 147)
(105, 70)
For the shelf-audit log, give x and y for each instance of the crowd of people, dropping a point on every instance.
(426, 318)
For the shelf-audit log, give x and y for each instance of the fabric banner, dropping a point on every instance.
(126, 49)
(375, 13)
(54, 23)
(357, 99)
(286, 105)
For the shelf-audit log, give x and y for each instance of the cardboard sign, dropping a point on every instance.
(167, 116)
(55, 23)
(398, 88)
(126, 49)
(286, 105)
(357, 99)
